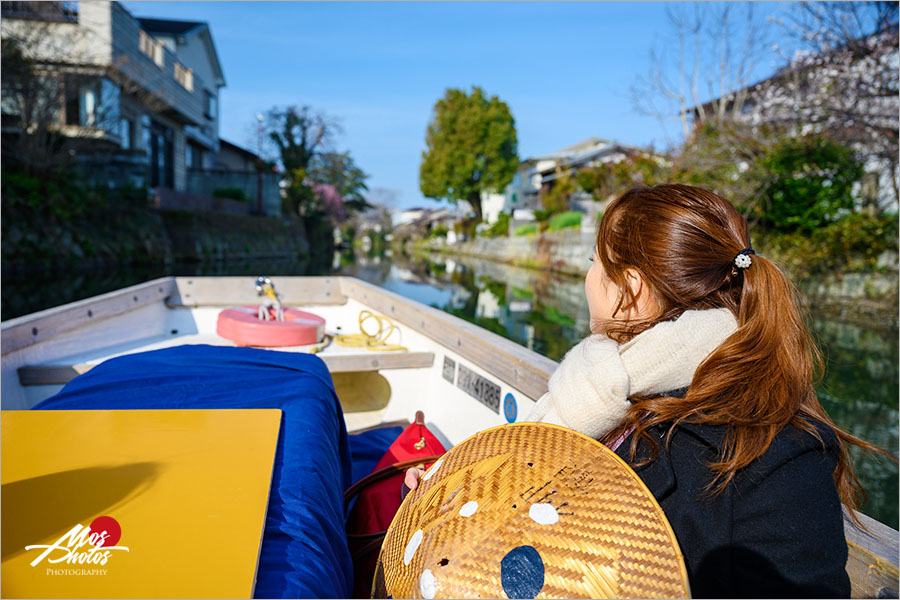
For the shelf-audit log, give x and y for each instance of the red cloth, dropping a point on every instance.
(377, 504)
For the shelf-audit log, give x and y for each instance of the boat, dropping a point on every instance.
(464, 378)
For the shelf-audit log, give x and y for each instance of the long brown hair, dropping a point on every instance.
(683, 241)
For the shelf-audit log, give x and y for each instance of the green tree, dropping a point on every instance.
(471, 148)
(810, 184)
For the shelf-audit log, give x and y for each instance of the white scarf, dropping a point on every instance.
(589, 391)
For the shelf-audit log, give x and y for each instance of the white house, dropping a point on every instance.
(849, 92)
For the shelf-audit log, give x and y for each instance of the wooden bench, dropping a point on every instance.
(336, 363)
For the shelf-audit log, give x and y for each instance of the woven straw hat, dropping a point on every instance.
(530, 510)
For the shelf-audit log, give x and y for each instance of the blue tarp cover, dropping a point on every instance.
(304, 550)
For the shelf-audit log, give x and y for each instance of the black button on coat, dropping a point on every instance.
(776, 531)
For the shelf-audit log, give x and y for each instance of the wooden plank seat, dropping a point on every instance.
(336, 363)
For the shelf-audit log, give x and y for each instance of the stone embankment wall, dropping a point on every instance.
(867, 295)
(143, 236)
(199, 236)
(567, 251)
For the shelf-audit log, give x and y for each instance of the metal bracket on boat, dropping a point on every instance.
(265, 287)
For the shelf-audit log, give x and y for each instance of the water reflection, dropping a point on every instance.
(548, 314)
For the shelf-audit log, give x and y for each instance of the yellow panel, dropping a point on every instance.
(188, 489)
(361, 391)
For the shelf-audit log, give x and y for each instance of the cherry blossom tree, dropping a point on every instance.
(331, 201)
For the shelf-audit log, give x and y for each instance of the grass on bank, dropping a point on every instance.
(565, 220)
(529, 229)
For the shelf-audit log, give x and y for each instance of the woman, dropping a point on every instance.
(699, 373)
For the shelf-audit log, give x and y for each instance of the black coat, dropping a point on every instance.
(776, 531)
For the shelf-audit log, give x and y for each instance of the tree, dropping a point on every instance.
(556, 199)
(719, 46)
(609, 179)
(324, 185)
(333, 204)
(725, 156)
(31, 104)
(299, 134)
(471, 148)
(338, 170)
(844, 79)
(41, 61)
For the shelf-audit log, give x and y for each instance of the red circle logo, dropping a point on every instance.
(110, 526)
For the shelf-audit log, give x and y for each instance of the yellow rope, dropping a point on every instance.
(376, 342)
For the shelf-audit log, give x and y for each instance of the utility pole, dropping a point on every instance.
(259, 162)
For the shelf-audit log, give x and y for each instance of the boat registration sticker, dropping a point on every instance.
(510, 409)
(483, 390)
(449, 369)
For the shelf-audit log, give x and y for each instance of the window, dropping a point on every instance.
(159, 154)
(210, 105)
(92, 102)
(125, 133)
(145, 134)
(193, 156)
(151, 47)
(184, 76)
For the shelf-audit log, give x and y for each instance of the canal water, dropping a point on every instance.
(548, 313)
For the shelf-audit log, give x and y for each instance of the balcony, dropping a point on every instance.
(155, 80)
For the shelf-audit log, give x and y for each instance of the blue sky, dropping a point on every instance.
(565, 69)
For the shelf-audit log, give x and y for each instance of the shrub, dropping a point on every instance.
(500, 228)
(522, 293)
(853, 243)
(810, 183)
(565, 220)
(556, 199)
(529, 229)
(438, 231)
(231, 193)
(542, 215)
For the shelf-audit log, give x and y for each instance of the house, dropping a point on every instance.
(848, 92)
(237, 168)
(136, 99)
(411, 214)
(520, 193)
(537, 175)
(192, 44)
